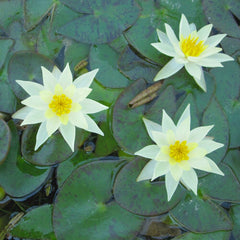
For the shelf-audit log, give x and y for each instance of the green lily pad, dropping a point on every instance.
(223, 235)
(15, 182)
(214, 115)
(90, 207)
(231, 46)
(200, 215)
(54, 150)
(5, 139)
(5, 46)
(154, 15)
(135, 67)
(103, 22)
(119, 44)
(26, 66)
(34, 12)
(127, 124)
(105, 58)
(36, 224)
(8, 100)
(235, 215)
(219, 10)
(142, 198)
(225, 188)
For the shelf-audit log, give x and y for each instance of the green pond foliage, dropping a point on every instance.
(92, 193)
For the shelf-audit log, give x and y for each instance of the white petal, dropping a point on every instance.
(214, 40)
(35, 102)
(193, 69)
(85, 80)
(200, 163)
(151, 126)
(163, 38)
(210, 51)
(192, 27)
(56, 72)
(185, 115)
(201, 82)
(52, 125)
(210, 145)
(49, 81)
(147, 171)
(167, 123)
(197, 153)
(171, 36)
(184, 29)
(168, 70)
(81, 94)
(160, 169)
(42, 135)
(22, 113)
(171, 185)
(35, 116)
(150, 151)
(68, 132)
(210, 61)
(160, 138)
(176, 171)
(66, 77)
(92, 126)
(190, 179)
(221, 57)
(31, 88)
(204, 32)
(78, 119)
(183, 130)
(91, 106)
(197, 134)
(214, 167)
(165, 48)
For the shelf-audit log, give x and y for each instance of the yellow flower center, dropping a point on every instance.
(179, 151)
(190, 46)
(61, 104)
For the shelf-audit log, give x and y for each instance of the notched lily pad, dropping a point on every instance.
(200, 215)
(5, 138)
(26, 66)
(84, 202)
(142, 198)
(104, 21)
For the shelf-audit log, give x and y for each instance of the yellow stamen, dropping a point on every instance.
(179, 151)
(61, 104)
(190, 46)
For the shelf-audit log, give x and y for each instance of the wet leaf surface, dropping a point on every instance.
(5, 140)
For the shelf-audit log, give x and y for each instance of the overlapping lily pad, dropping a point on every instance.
(223, 235)
(26, 66)
(5, 46)
(200, 215)
(235, 215)
(143, 198)
(84, 202)
(5, 138)
(15, 182)
(36, 224)
(103, 21)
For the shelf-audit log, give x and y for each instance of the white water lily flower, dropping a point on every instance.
(177, 152)
(60, 103)
(193, 50)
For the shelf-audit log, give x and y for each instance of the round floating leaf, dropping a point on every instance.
(5, 46)
(119, 44)
(105, 58)
(135, 67)
(5, 138)
(214, 115)
(235, 215)
(200, 215)
(82, 206)
(26, 66)
(104, 22)
(225, 188)
(154, 15)
(15, 182)
(34, 12)
(127, 124)
(231, 46)
(216, 11)
(142, 198)
(54, 150)
(36, 224)
(223, 235)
